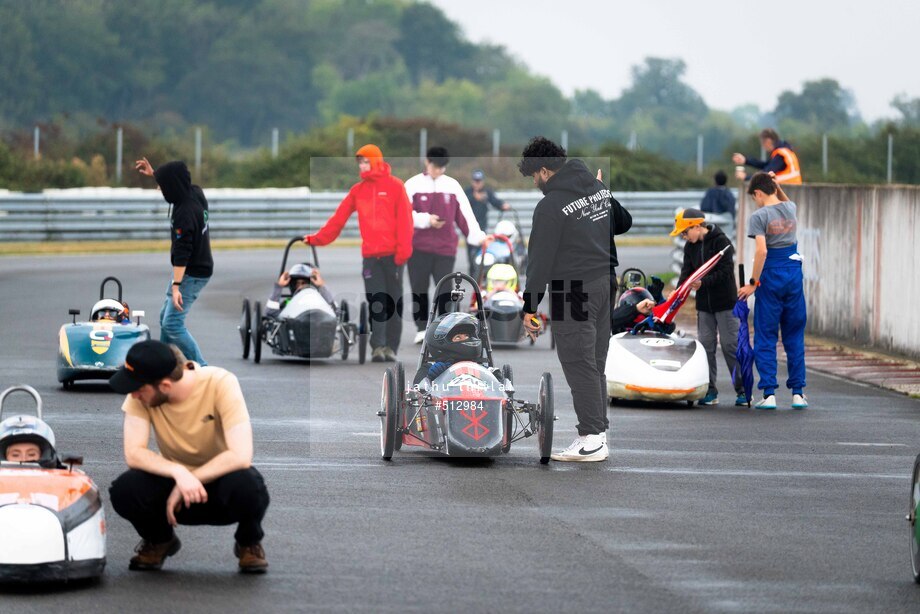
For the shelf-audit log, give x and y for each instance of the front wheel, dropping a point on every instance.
(546, 416)
(389, 414)
(245, 328)
(343, 339)
(257, 334)
(401, 396)
(912, 520)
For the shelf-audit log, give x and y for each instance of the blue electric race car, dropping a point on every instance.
(94, 350)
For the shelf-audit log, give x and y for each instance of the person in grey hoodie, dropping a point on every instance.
(572, 251)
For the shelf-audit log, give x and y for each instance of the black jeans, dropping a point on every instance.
(581, 327)
(383, 285)
(422, 267)
(238, 497)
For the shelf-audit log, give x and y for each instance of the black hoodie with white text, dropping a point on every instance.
(571, 239)
(189, 236)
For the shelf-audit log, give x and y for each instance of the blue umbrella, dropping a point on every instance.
(744, 354)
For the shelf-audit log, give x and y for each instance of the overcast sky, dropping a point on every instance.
(871, 48)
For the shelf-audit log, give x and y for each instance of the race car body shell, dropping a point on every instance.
(52, 524)
(466, 416)
(95, 350)
(654, 366)
(308, 327)
(504, 312)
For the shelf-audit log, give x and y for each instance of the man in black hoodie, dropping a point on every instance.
(572, 251)
(715, 294)
(190, 253)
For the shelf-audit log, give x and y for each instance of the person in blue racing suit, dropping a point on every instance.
(300, 276)
(451, 338)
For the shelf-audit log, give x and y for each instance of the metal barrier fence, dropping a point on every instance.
(109, 214)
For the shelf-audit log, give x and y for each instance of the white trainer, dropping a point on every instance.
(799, 401)
(586, 449)
(419, 337)
(766, 403)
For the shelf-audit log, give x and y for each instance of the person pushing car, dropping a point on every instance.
(385, 222)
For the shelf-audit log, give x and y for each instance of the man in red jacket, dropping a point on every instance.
(385, 221)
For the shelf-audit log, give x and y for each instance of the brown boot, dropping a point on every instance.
(252, 558)
(150, 556)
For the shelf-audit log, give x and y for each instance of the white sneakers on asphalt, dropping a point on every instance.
(585, 449)
(799, 401)
(768, 402)
(419, 337)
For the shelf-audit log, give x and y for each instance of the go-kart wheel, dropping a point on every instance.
(552, 337)
(67, 384)
(546, 416)
(346, 312)
(245, 328)
(257, 333)
(912, 520)
(343, 339)
(508, 374)
(689, 403)
(389, 414)
(363, 333)
(401, 395)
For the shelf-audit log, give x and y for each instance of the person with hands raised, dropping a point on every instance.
(203, 473)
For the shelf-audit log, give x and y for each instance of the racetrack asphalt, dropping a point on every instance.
(713, 509)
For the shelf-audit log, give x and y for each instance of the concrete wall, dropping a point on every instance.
(862, 262)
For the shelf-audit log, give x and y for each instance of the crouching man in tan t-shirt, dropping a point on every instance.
(203, 473)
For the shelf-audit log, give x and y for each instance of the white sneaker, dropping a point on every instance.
(766, 403)
(419, 337)
(799, 401)
(590, 448)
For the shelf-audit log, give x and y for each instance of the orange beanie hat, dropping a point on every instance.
(372, 153)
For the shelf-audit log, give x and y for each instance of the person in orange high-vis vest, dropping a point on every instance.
(782, 162)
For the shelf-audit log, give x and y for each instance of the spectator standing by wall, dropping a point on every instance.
(719, 199)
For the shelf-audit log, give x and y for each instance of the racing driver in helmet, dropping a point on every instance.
(27, 439)
(451, 338)
(299, 276)
(110, 310)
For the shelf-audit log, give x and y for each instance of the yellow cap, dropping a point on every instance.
(687, 218)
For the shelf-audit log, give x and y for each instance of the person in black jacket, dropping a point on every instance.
(572, 251)
(190, 252)
(715, 294)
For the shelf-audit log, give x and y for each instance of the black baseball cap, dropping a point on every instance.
(147, 362)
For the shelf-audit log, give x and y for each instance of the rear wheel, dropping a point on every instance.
(508, 374)
(389, 414)
(67, 384)
(401, 395)
(257, 334)
(912, 521)
(546, 416)
(363, 333)
(245, 328)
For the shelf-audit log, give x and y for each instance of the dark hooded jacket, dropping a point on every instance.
(717, 288)
(191, 241)
(572, 235)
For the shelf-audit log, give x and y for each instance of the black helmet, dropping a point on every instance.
(634, 296)
(444, 328)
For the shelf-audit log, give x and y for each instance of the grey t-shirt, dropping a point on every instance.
(777, 223)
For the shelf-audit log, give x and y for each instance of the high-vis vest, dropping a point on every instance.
(792, 174)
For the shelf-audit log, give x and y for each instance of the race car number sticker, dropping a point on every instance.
(657, 342)
(100, 338)
(465, 405)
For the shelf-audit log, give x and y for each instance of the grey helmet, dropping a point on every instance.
(29, 429)
(301, 271)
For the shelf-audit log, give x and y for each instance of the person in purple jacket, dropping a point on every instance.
(438, 204)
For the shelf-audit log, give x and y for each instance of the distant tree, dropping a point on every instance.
(909, 108)
(430, 44)
(657, 85)
(823, 105)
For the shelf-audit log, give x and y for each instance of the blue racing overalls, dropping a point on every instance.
(780, 305)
